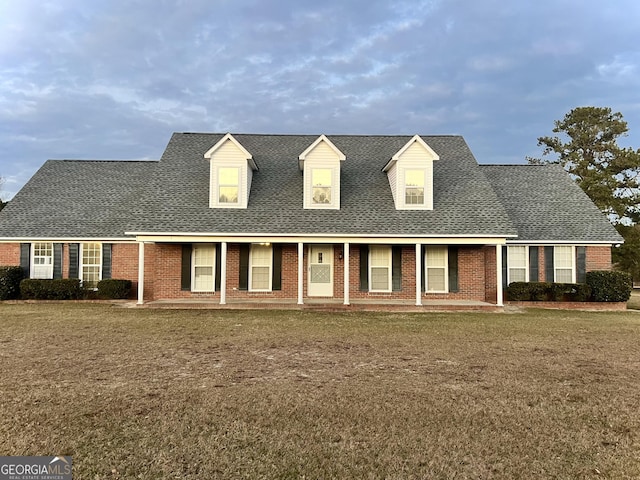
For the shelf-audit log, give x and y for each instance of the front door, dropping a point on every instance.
(320, 271)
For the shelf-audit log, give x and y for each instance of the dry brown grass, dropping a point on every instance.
(223, 394)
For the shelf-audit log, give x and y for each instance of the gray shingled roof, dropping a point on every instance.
(77, 198)
(177, 201)
(544, 203)
(105, 199)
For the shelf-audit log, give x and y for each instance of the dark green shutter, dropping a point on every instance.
(396, 268)
(364, 268)
(218, 266)
(276, 280)
(423, 264)
(25, 259)
(505, 267)
(57, 260)
(243, 273)
(534, 274)
(453, 269)
(581, 264)
(74, 260)
(185, 269)
(106, 260)
(548, 264)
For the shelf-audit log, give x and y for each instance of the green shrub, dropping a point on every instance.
(10, 278)
(58, 289)
(545, 291)
(609, 286)
(519, 292)
(580, 292)
(114, 288)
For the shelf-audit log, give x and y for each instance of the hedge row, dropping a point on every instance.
(13, 285)
(601, 286)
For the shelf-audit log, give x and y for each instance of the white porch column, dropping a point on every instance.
(300, 273)
(140, 273)
(345, 256)
(223, 273)
(418, 274)
(499, 302)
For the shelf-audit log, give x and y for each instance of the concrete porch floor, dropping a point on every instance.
(326, 304)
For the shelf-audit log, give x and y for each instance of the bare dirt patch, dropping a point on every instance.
(264, 394)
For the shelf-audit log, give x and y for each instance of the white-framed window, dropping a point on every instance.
(90, 264)
(41, 260)
(379, 268)
(260, 262)
(414, 187)
(518, 263)
(564, 264)
(228, 185)
(436, 271)
(321, 186)
(203, 268)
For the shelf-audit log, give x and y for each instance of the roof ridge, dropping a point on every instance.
(87, 160)
(409, 135)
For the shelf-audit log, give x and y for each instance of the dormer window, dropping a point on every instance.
(410, 173)
(414, 187)
(320, 165)
(228, 185)
(321, 181)
(231, 172)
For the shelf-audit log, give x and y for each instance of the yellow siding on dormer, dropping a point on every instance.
(229, 155)
(322, 156)
(415, 157)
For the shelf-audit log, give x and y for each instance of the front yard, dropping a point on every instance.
(256, 394)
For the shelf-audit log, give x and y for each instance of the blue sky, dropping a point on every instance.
(111, 79)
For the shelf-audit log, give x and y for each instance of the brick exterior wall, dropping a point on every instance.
(9, 254)
(476, 271)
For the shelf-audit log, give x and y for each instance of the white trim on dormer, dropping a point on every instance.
(209, 153)
(322, 138)
(410, 191)
(320, 164)
(431, 155)
(228, 153)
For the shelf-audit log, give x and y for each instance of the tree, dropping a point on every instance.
(588, 150)
(2, 203)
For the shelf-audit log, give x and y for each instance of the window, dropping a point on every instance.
(414, 187)
(517, 262)
(42, 263)
(321, 184)
(563, 261)
(228, 185)
(436, 269)
(203, 265)
(260, 268)
(91, 264)
(380, 269)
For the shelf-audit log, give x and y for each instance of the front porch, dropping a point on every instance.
(328, 304)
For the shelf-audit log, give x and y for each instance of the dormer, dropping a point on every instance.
(410, 174)
(231, 171)
(320, 166)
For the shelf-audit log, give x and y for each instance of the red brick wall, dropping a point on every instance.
(490, 274)
(598, 258)
(9, 254)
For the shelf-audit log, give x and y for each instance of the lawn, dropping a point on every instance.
(265, 394)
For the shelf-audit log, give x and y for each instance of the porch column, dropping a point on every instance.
(418, 274)
(346, 273)
(300, 273)
(499, 302)
(223, 273)
(140, 273)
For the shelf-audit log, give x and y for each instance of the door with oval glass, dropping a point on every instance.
(320, 271)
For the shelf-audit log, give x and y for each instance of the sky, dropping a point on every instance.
(112, 79)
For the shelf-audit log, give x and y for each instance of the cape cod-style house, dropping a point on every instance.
(231, 218)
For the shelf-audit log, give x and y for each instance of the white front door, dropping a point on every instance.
(320, 271)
